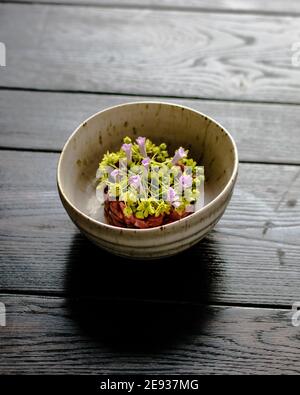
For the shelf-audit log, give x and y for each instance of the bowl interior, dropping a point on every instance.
(177, 126)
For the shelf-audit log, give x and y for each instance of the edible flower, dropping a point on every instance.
(141, 141)
(179, 154)
(186, 181)
(115, 173)
(173, 197)
(141, 186)
(127, 148)
(134, 181)
(146, 163)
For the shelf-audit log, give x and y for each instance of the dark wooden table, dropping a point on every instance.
(226, 305)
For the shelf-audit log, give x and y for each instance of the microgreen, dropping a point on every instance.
(147, 180)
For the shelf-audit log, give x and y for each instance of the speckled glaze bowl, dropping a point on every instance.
(209, 143)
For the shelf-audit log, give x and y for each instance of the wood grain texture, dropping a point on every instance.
(270, 6)
(58, 336)
(104, 316)
(252, 257)
(186, 54)
(42, 120)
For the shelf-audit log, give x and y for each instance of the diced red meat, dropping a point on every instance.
(114, 213)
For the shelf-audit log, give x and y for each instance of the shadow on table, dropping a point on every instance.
(142, 305)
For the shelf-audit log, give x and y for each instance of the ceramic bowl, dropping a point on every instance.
(209, 143)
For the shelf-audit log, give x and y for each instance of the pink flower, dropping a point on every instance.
(141, 141)
(186, 181)
(173, 197)
(146, 163)
(115, 173)
(135, 181)
(179, 154)
(127, 148)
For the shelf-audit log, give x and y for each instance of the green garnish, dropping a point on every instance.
(148, 181)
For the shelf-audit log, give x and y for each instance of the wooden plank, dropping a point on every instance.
(251, 258)
(42, 120)
(58, 336)
(271, 6)
(186, 54)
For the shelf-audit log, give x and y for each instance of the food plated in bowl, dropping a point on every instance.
(210, 145)
(142, 187)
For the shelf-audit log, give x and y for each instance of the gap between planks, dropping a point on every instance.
(148, 95)
(156, 7)
(66, 296)
(52, 151)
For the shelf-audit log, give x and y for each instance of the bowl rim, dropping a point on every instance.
(225, 190)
